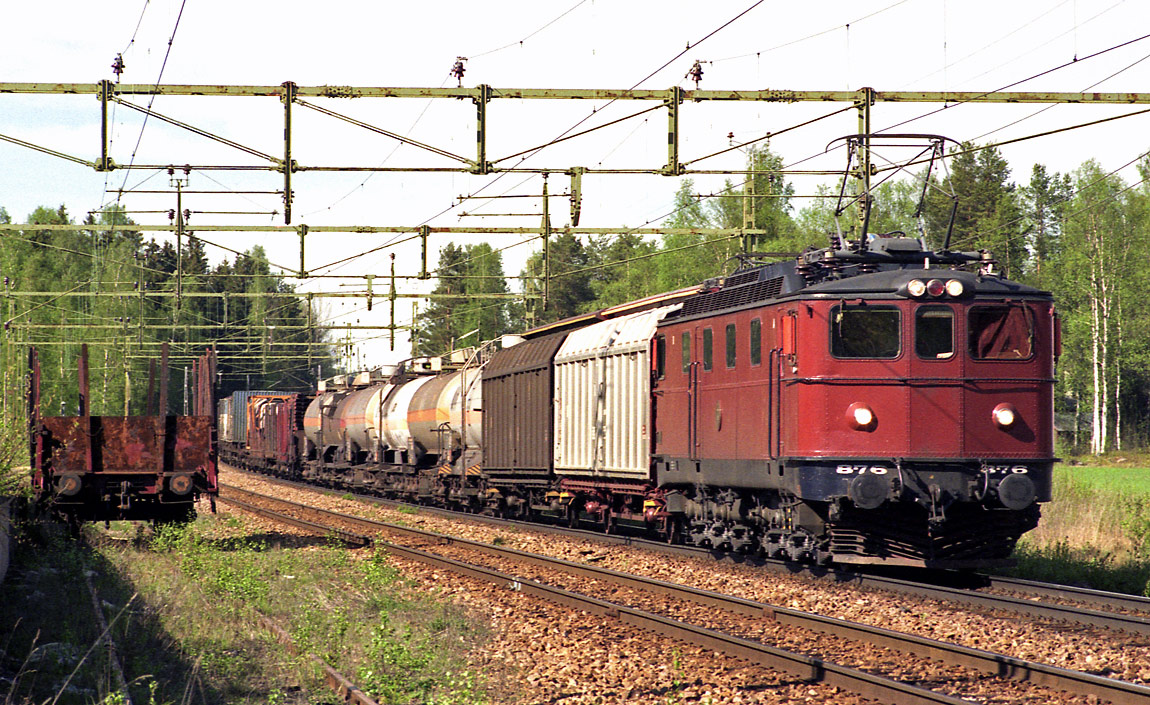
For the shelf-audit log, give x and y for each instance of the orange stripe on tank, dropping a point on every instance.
(421, 415)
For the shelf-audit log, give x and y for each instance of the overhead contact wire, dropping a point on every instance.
(564, 133)
(152, 99)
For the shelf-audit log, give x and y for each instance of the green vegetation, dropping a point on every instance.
(457, 316)
(1121, 480)
(1096, 532)
(47, 650)
(184, 603)
(128, 308)
(13, 457)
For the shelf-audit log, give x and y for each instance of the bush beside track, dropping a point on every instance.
(191, 634)
(1096, 532)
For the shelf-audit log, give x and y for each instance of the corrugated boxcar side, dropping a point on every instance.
(602, 397)
(517, 418)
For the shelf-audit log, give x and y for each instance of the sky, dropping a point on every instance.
(889, 45)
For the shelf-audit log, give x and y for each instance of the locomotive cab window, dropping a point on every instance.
(686, 352)
(661, 357)
(708, 348)
(731, 353)
(756, 341)
(934, 332)
(866, 332)
(1001, 332)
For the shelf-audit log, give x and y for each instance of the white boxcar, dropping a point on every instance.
(603, 398)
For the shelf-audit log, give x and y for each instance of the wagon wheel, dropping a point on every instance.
(608, 521)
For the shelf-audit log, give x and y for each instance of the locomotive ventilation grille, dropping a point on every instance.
(734, 294)
(969, 533)
(740, 279)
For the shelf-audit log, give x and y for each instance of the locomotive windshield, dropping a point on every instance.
(1001, 333)
(934, 332)
(865, 332)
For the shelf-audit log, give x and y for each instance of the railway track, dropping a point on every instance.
(1062, 603)
(1099, 598)
(108, 641)
(357, 531)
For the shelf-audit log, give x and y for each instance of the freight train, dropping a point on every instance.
(869, 402)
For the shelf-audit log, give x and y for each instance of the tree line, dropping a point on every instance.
(1082, 235)
(124, 295)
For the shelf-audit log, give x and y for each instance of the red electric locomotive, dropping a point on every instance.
(867, 403)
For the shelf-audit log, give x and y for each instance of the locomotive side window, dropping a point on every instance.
(686, 352)
(866, 332)
(756, 341)
(731, 353)
(934, 332)
(708, 345)
(661, 357)
(1001, 333)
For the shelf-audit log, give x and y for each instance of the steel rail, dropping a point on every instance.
(338, 682)
(806, 667)
(1066, 613)
(999, 665)
(348, 537)
(1090, 618)
(1101, 598)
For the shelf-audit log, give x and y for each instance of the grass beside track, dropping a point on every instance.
(1096, 532)
(192, 630)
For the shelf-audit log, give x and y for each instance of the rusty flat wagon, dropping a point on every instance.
(102, 468)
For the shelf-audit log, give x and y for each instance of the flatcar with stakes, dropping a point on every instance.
(102, 468)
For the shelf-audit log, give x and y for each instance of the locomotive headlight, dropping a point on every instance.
(1004, 415)
(935, 287)
(954, 288)
(916, 287)
(860, 417)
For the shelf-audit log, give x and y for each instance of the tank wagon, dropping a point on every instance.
(412, 430)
